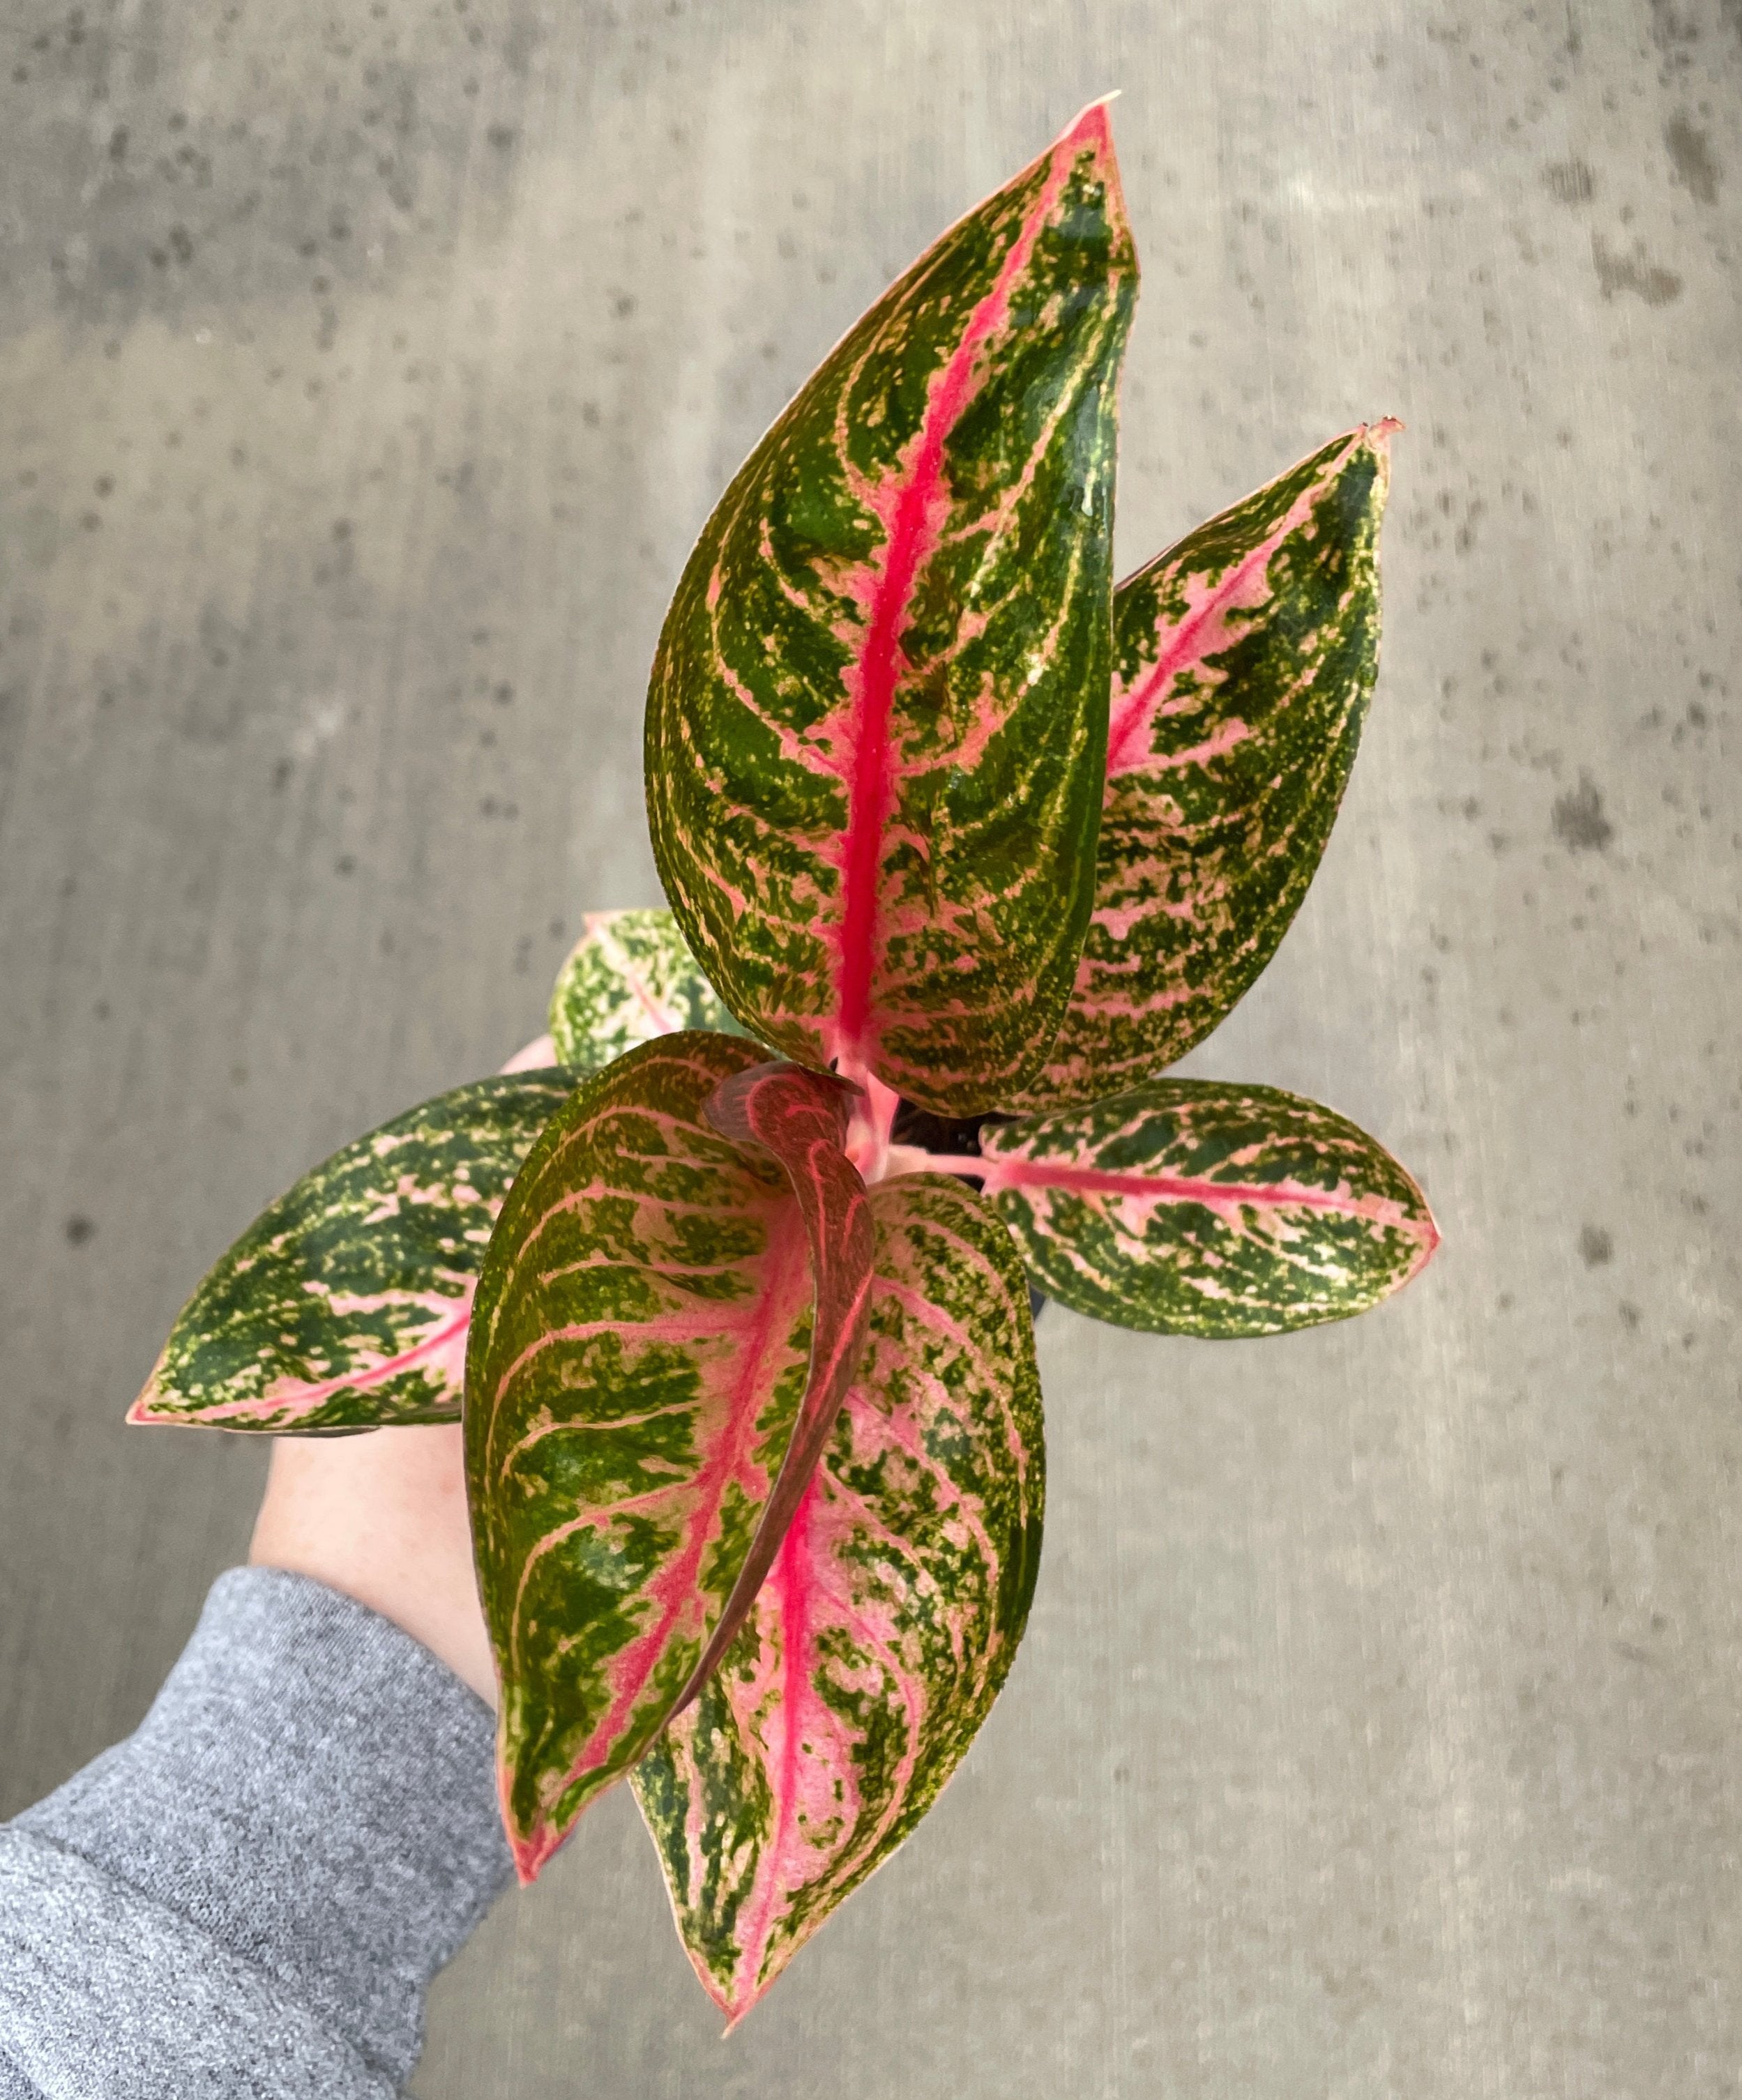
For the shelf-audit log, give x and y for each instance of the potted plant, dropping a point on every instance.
(730, 1275)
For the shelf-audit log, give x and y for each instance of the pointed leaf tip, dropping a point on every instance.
(637, 1359)
(1197, 1207)
(531, 1855)
(876, 1646)
(1244, 659)
(344, 1306)
(876, 721)
(1093, 121)
(666, 1317)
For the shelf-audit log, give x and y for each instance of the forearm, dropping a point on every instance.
(383, 1518)
(251, 1894)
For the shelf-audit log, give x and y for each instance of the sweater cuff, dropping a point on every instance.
(314, 1791)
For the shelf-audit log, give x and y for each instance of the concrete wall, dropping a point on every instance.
(364, 375)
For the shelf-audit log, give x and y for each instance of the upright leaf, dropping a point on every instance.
(1192, 1207)
(1243, 660)
(890, 1617)
(630, 979)
(640, 1355)
(345, 1306)
(876, 724)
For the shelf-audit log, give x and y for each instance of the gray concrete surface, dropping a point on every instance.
(366, 373)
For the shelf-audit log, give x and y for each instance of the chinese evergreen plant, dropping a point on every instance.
(963, 847)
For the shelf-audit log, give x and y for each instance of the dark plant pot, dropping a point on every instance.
(952, 1137)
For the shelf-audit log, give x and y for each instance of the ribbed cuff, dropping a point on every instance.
(312, 1790)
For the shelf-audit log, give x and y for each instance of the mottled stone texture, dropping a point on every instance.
(366, 375)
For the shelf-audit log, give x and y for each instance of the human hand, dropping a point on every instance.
(381, 1517)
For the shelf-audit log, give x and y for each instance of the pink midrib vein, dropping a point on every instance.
(787, 1587)
(841, 1271)
(792, 1589)
(1174, 1188)
(673, 1588)
(664, 1022)
(305, 1397)
(914, 534)
(1126, 747)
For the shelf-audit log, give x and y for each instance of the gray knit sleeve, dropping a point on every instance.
(251, 1894)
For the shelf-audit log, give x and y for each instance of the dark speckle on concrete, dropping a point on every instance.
(1691, 152)
(1570, 182)
(1672, 27)
(1580, 823)
(1596, 1246)
(79, 1230)
(1634, 273)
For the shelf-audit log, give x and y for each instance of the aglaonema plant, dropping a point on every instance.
(963, 847)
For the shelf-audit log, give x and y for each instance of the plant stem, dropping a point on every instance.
(915, 1160)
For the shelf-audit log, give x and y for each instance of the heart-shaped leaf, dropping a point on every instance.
(641, 1351)
(889, 1620)
(876, 725)
(1192, 1207)
(345, 1306)
(630, 979)
(1243, 660)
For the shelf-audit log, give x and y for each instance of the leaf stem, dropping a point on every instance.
(873, 1116)
(915, 1160)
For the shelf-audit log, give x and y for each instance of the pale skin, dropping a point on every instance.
(381, 1517)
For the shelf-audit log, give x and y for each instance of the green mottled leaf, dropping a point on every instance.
(642, 1350)
(1245, 658)
(889, 1620)
(800, 1119)
(876, 724)
(1192, 1207)
(631, 979)
(345, 1306)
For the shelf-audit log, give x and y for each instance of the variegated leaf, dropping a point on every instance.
(876, 724)
(629, 978)
(638, 1359)
(345, 1306)
(800, 1119)
(890, 1618)
(1192, 1207)
(1244, 660)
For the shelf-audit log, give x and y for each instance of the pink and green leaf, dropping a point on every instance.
(1243, 660)
(800, 1119)
(345, 1306)
(890, 1618)
(643, 1348)
(630, 979)
(876, 725)
(1193, 1207)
